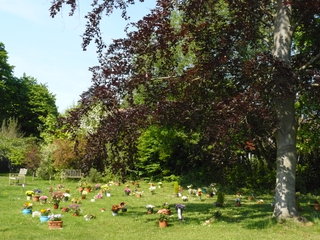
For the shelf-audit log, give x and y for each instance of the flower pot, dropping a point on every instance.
(27, 211)
(55, 205)
(35, 198)
(44, 219)
(163, 224)
(55, 224)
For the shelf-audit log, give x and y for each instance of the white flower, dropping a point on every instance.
(149, 206)
(184, 198)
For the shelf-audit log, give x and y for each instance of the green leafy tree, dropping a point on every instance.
(253, 59)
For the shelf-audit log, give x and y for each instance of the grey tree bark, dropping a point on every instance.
(285, 199)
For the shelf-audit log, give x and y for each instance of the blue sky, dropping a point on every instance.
(49, 49)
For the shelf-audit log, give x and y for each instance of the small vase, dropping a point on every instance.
(44, 219)
(163, 224)
(27, 211)
(55, 224)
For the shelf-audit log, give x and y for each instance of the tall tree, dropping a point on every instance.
(23, 98)
(253, 59)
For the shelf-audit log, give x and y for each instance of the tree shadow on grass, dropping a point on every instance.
(249, 215)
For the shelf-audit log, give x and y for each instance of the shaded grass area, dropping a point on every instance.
(250, 221)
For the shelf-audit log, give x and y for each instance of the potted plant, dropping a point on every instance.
(36, 195)
(138, 194)
(152, 188)
(163, 220)
(66, 196)
(84, 194)
(43, 199)
(149, 208)
(55, 221)
(76, 200)
(65, 209)
(44, 217)
(184, 198)
(75, 209)
(115, 209)
(56, 198)
(123, 207)
(127, 191)
(27, 208)
(238, 199)
(29, 194)
(89, 217)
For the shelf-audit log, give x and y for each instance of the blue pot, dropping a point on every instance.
(27, 211)
(44, 218)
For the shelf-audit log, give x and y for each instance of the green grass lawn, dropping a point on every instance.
(250, 221)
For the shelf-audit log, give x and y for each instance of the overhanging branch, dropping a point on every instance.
(312, 60)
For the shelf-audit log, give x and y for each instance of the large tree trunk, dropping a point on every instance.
(285, 200)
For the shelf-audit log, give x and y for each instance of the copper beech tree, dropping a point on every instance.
(218, 67)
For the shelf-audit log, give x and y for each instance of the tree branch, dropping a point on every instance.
(312, 60)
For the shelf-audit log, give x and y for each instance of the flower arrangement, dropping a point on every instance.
(115, 209)
(98, 196)
(150, 208)
(43, 199)
(45, 212)
(65, 209)
(152, 189)
(55, 217)
(163, 218)
(66, 196)
(75, 208)
(57, 197)
(37, 191)
(238, 200)
(84, 194)
(29, 193)
(184, 198)
(138, 194)
(27, 205)
(89, 217)
(97, 186)
(105, 188)
(76, 200)
(127, 191)
(199, 193)
(164, 211)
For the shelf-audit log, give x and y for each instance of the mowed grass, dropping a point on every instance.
(250, 221)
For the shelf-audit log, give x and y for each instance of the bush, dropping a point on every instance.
(220, 199)
(94, 176)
